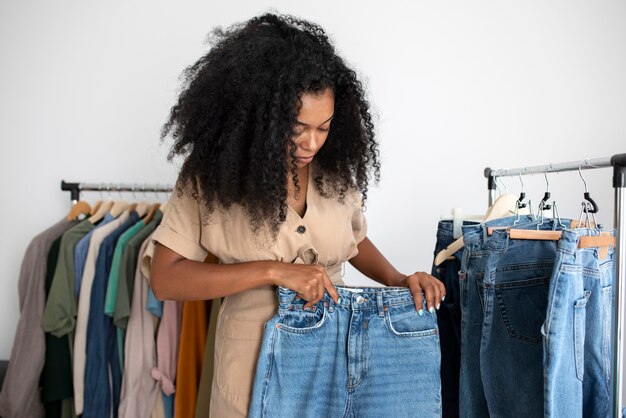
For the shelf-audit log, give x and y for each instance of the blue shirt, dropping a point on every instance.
(101, 350)
(80, 253)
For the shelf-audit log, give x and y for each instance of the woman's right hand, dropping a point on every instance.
(308, 280)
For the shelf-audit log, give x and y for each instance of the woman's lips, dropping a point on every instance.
(305, 160)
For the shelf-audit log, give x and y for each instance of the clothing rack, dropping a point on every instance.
(618, 162)
(76, 188)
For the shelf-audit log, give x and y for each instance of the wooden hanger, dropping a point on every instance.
(80, 208)
(151, 213)
(503, 207)
(102, 210)
(95, 207)
(142, 208)
(118, 207)
(602, 241)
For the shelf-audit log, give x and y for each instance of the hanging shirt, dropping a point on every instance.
(127, 274)
(59, 316)
(80, 253)
(20, 396)
(139, 389)
(103, 378)
(84, 303)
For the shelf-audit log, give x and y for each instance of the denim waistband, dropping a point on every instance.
(499, 239)
(354, 298)
(445, 229)
(570, 237)
(477, 234)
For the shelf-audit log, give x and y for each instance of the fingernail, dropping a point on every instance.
(443, 298)
(420, 312)
(431, 310)
(438, 306)
(338, 301)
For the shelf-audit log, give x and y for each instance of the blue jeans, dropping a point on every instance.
(449, 321)
(370, 355)
(515, 285)
(472, 401)
(577, 330)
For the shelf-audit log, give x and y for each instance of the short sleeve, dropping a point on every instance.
(359, 223)
(181, 227)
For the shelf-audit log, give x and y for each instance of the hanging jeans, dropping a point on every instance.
(449, 321)
(472, 401)
(370, 355)
(577, 330)
(515, 284)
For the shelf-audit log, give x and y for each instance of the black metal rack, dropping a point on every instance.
(76, 188)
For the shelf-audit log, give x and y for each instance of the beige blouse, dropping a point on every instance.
(328, 234)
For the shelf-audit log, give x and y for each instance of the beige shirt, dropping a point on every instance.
(327, 234)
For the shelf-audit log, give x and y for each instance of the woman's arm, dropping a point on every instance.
(374, 265)
(177, 278)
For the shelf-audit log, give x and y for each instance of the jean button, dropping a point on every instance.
(360, 299)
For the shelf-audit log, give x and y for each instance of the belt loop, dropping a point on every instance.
(379, 302)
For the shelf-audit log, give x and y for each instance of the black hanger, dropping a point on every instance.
(590, 206)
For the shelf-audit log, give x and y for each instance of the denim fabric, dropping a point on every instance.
(515, 285)
(449, 321)
(80, 254)
(371, 355)
(103, 378)
(472, 401)
(577, 331)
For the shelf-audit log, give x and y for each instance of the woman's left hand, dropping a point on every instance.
(433, 289)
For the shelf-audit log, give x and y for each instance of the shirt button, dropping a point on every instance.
(301, 229)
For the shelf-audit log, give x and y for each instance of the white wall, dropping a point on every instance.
(457, 86)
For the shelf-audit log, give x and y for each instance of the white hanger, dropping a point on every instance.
(504, 206)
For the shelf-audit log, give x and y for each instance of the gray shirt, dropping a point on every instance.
(20, 395)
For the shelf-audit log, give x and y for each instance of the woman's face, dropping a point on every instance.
(313, 124)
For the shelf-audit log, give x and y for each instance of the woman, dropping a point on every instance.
(279, 146)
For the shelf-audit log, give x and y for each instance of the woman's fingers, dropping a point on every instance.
(416, 291)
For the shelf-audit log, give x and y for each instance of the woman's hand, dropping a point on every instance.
(308, 280)
(434, 290)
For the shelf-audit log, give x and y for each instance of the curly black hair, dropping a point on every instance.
(235, 117)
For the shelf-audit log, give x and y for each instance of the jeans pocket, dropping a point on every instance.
(404, 321)
(299, 321)
(579, 335)
(522, 306)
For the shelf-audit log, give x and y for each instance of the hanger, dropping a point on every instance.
(505, 205)
(602, 241)
(95, 207)
(543, 204)
(588, 205)
(522, 195)
(118, 207)
(102, 210)
(151, 213)
(79, 208)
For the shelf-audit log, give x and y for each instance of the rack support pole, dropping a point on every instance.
(619, 183)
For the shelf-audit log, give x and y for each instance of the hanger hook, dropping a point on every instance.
(543, 204)
(545, 173)
(580, 172)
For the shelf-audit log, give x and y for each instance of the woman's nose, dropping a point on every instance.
(309, 142)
